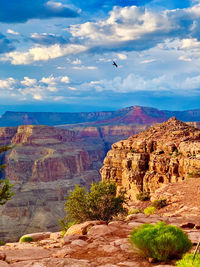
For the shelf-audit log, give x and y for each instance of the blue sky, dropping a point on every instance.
(57, 55)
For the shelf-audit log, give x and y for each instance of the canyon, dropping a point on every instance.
(44, 164)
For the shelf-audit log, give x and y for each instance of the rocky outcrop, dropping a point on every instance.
(166, 153)
(101, 246)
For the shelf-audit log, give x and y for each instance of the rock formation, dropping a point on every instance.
(166, 153)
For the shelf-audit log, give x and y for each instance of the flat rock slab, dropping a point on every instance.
(194, 235)
(52, 263)
(103, 230)
(34, 253)
(4, 264)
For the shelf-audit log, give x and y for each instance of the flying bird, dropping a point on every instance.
(115, 64)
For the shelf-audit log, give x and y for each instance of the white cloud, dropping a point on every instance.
(29, 82)
(185, 58)
(190, 43)
(60, 68)
(51, 80)
(124, 24)
(122, 56)
(65, 79)
(72, 88)
(51, 89)
(133, 83)
(77, 62)
(147, 61)
(12, 32)
(37, 97)
(42, 53)
(58, 98)
(7, 83)
(84, 67)
(138, 28)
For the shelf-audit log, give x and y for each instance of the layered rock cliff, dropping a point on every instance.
(129, 115)
(44, 164)
(166, 153)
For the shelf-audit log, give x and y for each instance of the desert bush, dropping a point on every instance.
(65, 225)
(149, 210)
(160, 241)
(159, 203)
(26, 239)
(2, 243)
(133, 211)
(143, 196)
(5, 186)
(187, 261)
(101, 202)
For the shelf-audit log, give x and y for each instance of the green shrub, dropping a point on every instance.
(26, 239)
(195, 173)
(2, 243)
(65, 225)
(99, 203)
(187, 261)
(159, 203)
(149, 210)
(160, 241)
(133, 211)
(5, 186)
(143, 196)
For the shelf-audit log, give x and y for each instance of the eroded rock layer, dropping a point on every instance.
(166, 153)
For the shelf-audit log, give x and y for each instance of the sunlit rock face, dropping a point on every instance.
(166, 153)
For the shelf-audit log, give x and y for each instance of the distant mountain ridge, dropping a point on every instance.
(130, 115)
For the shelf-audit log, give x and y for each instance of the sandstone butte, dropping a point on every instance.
(44, 164)
(166, 153)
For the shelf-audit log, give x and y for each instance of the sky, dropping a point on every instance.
(58, 55)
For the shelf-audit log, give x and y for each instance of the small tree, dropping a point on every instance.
(5, 186)
(101, 202)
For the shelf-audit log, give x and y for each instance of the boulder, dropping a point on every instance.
(82, 228)
(79, 243)
(102, 231)
(194, 236)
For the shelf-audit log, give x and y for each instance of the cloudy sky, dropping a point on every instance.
(57, 55)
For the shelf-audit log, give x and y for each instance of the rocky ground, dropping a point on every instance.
(97, 244)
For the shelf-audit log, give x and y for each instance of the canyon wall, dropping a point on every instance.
(44, 164)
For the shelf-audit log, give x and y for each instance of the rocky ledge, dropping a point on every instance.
(166, 153)
(90, 244)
